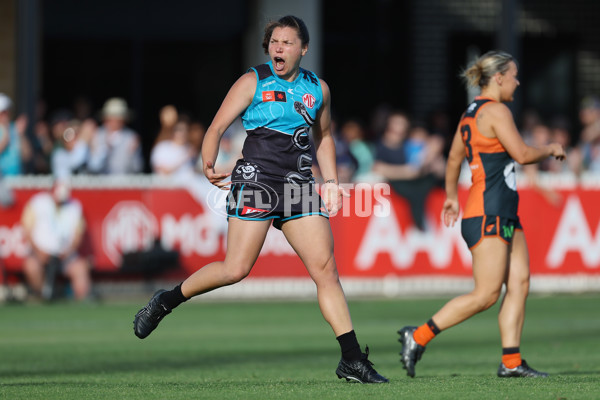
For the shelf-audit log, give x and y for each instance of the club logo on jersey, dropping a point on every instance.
(309, 100)
(248, 171)
(274, 95)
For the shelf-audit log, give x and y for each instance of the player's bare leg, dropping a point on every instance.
(244, 241)
(490, 259)
(512, 312)
(312, 240)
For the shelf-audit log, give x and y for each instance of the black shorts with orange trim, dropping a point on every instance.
(475, 229)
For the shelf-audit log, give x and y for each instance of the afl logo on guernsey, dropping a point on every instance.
(308, 100)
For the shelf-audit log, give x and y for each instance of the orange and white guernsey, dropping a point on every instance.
(494, 189)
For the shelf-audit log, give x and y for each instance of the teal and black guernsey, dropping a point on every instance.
(277, 123)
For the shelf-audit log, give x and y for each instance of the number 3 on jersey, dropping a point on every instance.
(465, 130)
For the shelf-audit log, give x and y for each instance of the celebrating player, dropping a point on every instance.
(488, 138)
(279, 102)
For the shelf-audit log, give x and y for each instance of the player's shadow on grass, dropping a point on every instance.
(147, 362)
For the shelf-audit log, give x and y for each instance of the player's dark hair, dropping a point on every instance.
(289, 21)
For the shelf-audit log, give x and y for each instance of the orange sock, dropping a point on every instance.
(511, 361)
(425, 333)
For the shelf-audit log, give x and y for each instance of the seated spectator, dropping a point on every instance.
(15, 149)
(70, 155)
(115, 148)
(173, 155)
(168, 117)
(345, 162)
(589, 140)
(41, 143)
(390, 153)
(196, 134)
(561, 133)
(411, 165)
(54, 228)
(353, 132)
(540, 136)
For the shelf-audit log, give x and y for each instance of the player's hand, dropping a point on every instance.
(333, 195)
(558, 151)
(215, 178)
(450, 212)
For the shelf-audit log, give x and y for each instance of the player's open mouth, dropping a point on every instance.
(278, 63)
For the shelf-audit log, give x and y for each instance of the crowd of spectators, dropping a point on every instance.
(392, 147)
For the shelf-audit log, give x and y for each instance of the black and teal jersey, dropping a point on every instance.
(278, 122)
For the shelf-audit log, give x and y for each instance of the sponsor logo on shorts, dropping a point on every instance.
(508, 230)
(252, 210)
(490, 228)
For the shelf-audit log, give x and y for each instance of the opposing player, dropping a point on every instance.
(279, 102)
(488, 138)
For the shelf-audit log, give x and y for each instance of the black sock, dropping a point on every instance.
(350, 347)
(173, 298)
(433, 327)
(510, 350)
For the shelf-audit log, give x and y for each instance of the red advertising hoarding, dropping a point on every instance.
(374, 234)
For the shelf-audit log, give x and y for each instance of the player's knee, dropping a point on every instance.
(325, 271)
(236, 273)
(486, 300)
(520, 287)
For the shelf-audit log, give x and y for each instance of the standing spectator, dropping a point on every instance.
(14, 146)
(115, 148)
(54, 228)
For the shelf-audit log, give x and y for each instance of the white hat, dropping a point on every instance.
(115, 107)
(5, 102)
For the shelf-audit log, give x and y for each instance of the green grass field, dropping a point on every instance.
(285, 350)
